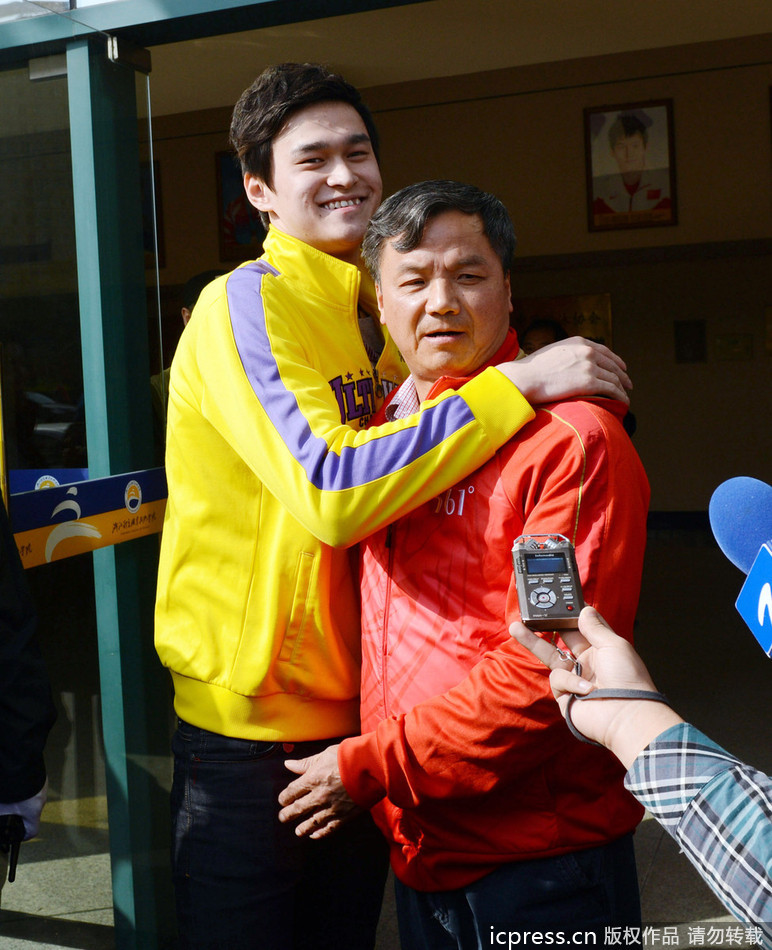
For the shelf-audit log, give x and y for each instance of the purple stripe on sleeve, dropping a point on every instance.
(326, 470)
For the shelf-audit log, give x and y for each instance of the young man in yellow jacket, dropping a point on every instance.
(272, 473)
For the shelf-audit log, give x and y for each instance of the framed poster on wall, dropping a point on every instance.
(630, 165)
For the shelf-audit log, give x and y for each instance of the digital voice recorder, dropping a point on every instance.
(547, 580)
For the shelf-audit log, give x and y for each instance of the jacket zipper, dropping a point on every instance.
(385, 628)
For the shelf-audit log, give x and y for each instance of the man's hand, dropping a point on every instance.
(318, 796)
(573, 367)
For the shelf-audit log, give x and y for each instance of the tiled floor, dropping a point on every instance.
(699, 651)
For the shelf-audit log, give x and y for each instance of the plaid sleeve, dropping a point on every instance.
(718, 809)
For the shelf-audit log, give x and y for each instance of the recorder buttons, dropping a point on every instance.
(543, 597)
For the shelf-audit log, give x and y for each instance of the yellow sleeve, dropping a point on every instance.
(277, 412)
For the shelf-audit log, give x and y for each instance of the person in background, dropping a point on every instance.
(159, 382)
(192, 291)
(272, 472)
(717, 808)
(541, 333)
(494, 814)
(27, 710)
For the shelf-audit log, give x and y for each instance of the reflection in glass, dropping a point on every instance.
(44, 427)
(44, 432)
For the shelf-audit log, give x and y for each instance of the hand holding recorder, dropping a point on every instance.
(679, 774)
(607, 663)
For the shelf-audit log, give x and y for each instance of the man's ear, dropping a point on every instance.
(508, 285)
(258, 193)
(379, 298)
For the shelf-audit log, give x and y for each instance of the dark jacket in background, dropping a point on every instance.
(26, 708)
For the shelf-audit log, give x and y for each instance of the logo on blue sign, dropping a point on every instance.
(755, 601)
(132, 496)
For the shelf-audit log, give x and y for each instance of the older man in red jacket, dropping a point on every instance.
(497, 818)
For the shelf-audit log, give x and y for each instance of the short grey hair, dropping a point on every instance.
(407, 212)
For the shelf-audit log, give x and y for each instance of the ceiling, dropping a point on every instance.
(439, 38)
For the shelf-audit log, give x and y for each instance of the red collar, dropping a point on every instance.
(506, 352)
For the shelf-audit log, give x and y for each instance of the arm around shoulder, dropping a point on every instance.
(573, 367)
(341, 483)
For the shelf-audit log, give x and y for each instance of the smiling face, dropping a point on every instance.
(447, 302)
(326, 181)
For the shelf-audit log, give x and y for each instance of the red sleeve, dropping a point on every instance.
(459, 743)
(580, 474)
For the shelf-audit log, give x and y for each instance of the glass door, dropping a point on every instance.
(79, 330)
(42, 391)
(45, 444)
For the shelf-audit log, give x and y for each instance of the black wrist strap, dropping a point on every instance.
(609, 694)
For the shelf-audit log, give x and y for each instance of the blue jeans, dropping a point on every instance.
(581, 891)
(243, 880)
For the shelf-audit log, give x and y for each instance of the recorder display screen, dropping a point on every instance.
(539, 564)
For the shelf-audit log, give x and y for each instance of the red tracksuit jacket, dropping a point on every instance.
(465, 759)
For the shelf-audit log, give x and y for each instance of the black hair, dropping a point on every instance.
(278, 92)
(624, 126)
(193, 287)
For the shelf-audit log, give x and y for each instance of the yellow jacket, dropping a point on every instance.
(272, 472)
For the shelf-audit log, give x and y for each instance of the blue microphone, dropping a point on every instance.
(740, 514)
